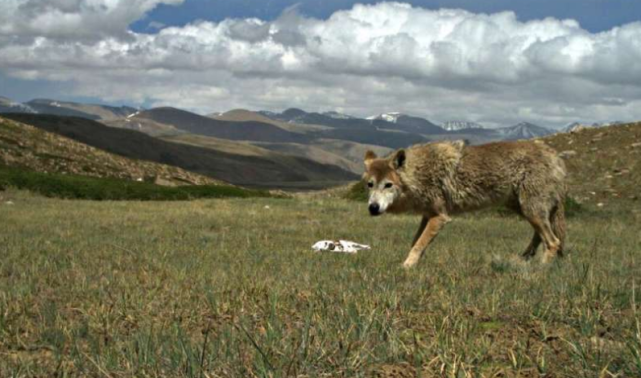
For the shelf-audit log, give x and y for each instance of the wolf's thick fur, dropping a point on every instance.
(441, 179)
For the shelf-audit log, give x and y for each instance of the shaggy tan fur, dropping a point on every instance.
(441, 179)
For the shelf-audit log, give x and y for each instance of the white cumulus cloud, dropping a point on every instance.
(443, 64)
(72, 19)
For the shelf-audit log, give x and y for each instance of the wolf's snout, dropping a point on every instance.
(374, 209)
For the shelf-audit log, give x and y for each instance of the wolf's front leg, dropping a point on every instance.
(420, 230)
(434, 225)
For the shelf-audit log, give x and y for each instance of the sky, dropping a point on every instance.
(497, 62)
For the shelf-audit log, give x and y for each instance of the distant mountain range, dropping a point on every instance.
(263, 148)
(399, 121)
(392, 121)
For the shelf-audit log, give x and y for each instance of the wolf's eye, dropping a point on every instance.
(370, 184)
(388, 185)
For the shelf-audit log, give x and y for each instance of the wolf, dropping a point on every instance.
(441, 179)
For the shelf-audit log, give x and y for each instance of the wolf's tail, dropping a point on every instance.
(557, 219)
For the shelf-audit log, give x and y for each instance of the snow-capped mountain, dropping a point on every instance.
(461, 125)
(337, 115)
(7, 105)
(404, 122)
(387, 117)
(523, 130)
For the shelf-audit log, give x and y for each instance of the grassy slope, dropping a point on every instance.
(98, 188)
(229, 288)
(606, 166)
(25, 146)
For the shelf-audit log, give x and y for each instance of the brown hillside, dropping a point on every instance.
(344, 154)
(143, 125)
(273, 171)
(25, 146)
(197, 124)
(603, 163)
(242, 115)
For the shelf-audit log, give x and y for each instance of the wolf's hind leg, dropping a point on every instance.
(543, 227)
(434, 225)
(557, 219)
(530, 251)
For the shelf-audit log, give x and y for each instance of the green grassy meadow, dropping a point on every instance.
(231, 288)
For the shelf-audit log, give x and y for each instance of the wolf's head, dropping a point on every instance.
(382, 180)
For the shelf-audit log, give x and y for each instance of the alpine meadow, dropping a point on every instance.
(149, 289)
(232, 189)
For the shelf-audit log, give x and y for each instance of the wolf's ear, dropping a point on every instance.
(399, 159)
(369, 157)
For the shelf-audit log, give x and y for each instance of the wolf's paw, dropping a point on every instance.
(408, 264)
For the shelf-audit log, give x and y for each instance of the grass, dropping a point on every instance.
(230, 288)
(94, 188)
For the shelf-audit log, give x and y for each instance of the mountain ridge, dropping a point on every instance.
(229, 167)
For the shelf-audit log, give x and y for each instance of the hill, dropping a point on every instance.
(390, 139)
(314, 142)
(25, 146)
(75, 109)
(347, 155)
(274, 170)
(7, 105)
(197, 124)
(242, 115)
(143, 125)
(604, 163)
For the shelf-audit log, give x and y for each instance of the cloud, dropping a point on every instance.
(443, 64)
(75, 20)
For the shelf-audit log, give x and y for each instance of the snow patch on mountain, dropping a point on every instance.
(461, 125)
(388, 117)
(337, 115)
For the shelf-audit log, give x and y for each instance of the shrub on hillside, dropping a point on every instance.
(357, 192)
(92, 188)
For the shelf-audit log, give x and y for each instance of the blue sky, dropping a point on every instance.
(593, 15)
(497, 62)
